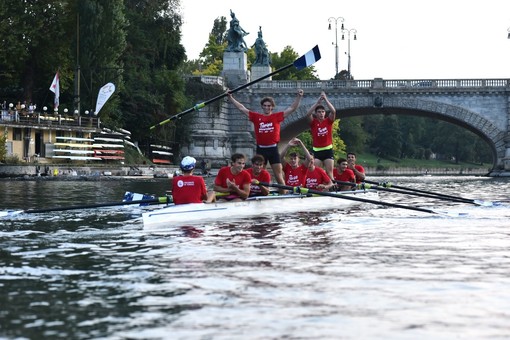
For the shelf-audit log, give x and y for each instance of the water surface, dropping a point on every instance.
(369, 272)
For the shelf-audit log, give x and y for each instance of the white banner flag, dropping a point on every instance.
(104, 93)
(55, 88)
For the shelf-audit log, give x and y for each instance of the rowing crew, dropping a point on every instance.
(234, 183)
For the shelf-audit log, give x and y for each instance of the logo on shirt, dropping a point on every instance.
(322, 131)
(181, 183)
(266, 127)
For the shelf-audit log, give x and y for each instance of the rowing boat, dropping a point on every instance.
(185, 214)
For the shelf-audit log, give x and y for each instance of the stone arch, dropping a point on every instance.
(470, 120)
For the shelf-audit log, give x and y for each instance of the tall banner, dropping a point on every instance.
(55, 88)
(104, 94)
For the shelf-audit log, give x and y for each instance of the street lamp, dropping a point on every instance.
(349, 31)
(336, 20)
(508, 30)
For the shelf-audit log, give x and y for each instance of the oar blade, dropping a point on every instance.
(483, 203)
(308, 59)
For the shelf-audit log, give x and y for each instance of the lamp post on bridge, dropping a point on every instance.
(349, 31)
(508, 30)
(336, 20)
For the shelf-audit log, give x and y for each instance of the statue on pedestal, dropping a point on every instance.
(262, 56)
(235, 36)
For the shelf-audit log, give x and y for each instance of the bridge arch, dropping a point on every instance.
(470, 120)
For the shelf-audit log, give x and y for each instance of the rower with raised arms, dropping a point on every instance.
(321, 129)
(294, 172)
(267, 129)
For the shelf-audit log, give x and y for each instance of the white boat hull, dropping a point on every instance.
(185, 214)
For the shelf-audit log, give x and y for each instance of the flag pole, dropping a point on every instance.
(302, 62)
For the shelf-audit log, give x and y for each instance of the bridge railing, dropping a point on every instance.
(380, 83)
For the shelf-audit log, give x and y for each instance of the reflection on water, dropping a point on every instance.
(369, 272)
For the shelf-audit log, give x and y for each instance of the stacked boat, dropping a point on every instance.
(161, 154)
(109, 146)
(74, 148)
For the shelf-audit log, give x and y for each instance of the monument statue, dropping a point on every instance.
(235, 36)
(262, 56)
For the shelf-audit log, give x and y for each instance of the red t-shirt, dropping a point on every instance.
(267, 127)
(264, 176)
(240, 179)
(360, 169)
(316, 177)
(322, 132)
(188, 189)
(295, 177)
(346, 176)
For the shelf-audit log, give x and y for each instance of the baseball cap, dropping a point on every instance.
(188, 163)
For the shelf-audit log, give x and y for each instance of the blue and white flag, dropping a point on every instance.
(308, 59)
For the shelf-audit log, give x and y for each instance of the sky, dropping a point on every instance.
(396, 39)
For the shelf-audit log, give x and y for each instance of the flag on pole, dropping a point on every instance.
(55, 88)
(308, 59)
(104, 94)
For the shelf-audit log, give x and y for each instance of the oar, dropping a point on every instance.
(302, 62)
(299, 190)
(158, 200)
(380, 188)
(466, 200)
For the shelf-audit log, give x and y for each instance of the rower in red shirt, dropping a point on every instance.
(342, 174)
(258, 174)
(267, 129)
(232, 181)
(294, 172)
(188, 188)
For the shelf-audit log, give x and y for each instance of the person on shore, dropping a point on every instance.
(188, 188)
(232, 182)
(294, 171)
(342, 174)
(321, 129)
(267, 129)
(258, 174)
(317, 178)
(358, 170)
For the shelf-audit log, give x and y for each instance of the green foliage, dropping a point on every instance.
(352, 133)
(3, 147)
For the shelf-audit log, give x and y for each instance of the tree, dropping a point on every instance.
(352, 133)
(154, 88)
(35, 44)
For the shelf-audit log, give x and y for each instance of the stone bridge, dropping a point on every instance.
(479, 105)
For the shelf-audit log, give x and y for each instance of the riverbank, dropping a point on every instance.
(105, 172)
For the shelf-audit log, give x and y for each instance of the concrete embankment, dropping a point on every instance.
(60, 171)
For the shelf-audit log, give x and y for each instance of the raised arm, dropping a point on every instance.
(239, 106)
(332, 110)
(311, 110)
(294, 105)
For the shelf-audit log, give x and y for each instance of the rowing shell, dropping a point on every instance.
(185, 214)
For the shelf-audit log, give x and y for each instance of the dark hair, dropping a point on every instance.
(320, 107)
(258, 159)
(340, 160)
(351, 153)
(237, 156)
(293, 154)
(267, 99)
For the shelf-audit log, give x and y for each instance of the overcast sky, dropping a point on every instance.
(396, 39)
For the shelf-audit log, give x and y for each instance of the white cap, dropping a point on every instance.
(188, 163)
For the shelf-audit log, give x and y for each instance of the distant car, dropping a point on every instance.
(427, 83)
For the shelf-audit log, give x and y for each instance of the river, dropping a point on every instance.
(371, 272)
